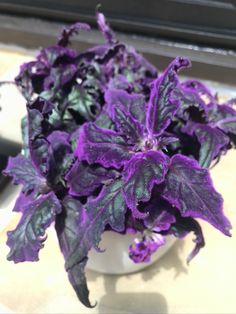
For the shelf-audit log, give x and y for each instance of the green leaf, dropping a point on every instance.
(82, 102)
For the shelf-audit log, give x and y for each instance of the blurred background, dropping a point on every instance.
(204, 31)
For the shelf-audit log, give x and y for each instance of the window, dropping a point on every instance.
(205, 22)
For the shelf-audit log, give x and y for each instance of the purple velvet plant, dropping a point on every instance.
(111, 144)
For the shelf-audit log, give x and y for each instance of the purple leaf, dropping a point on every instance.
(23, 172)
(189, 188)
(67, 32)
(105, 29)
(182, 227)
(69, 235)
(23, 201)
(35, 118)
(192, 106)
(83, 179)
(38, 145)
(212, 141)
(77, 278)
(142, 249)
(39, 154)
(81, 229)
(100, 55)
(140, 174)
(91, 54)
(161, 215)
(51, 155)
(227, 125)
(220, 112)
(106, 147)
(131, 103)
(41, 105)
(58, 77)
(50, 62)
(54, 55)
(60, 156)
(149, 70)
(104, 121)
(120, 83)
(167, 139)
(162, 105)
(201, 89)
(126, 124)
(110, 55)
(230, 102)
(108, 208)
(223, 117)
(28, 237)
(31, 75)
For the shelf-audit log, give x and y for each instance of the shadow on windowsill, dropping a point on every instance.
(114, 302)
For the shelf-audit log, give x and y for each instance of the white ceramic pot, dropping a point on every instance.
(115, 259)
(7, 200)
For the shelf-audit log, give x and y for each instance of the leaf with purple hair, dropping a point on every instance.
(224, 118)
(108, 208)
(182, 227)
(201, 89)
(23, 172)
(213, 141)
(24, 200)
(57, 78)
(140, 174)
(83, 179)
(105, 28)
(28, 237)
(161, 214)
(189, 188)
(67, 32)
(106, 147)
(56, 55)
(126, 124)
(162, 105)
(227, 125)
(69, 235)
(192, 106)
(132, 103)
(60, 157)
(80, 229)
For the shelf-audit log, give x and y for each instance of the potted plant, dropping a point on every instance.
(110, 144)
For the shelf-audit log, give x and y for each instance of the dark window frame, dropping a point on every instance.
(202, 22)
